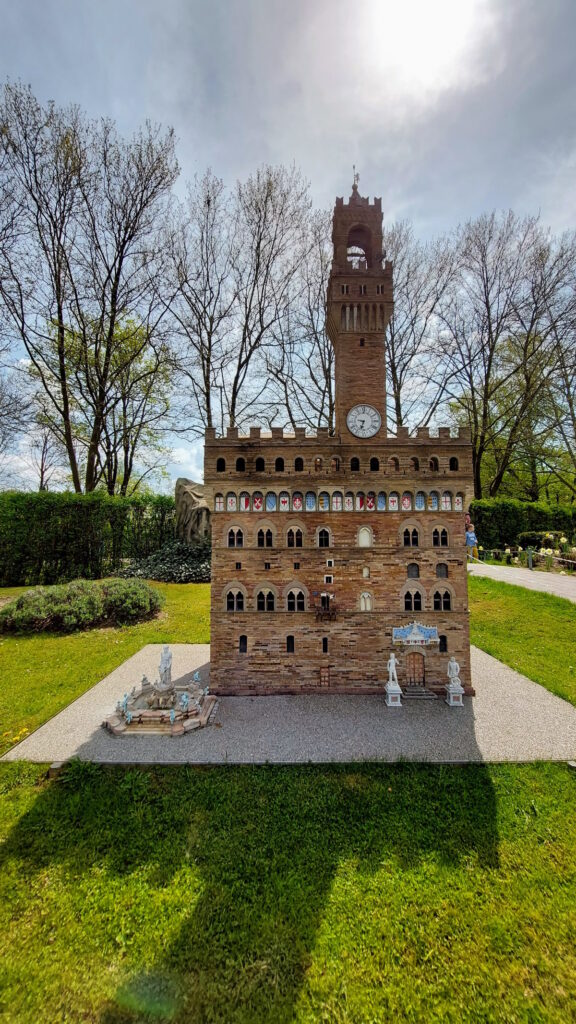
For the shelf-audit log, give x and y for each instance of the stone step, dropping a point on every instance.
(418, 693)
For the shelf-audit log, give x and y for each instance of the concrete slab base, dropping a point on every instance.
(510, 719)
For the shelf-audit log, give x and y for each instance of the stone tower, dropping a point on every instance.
(330, 551)
(358, 310)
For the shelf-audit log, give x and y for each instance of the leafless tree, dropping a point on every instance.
(423, 275)
(498, 328)
(300, 363)
(90, 210)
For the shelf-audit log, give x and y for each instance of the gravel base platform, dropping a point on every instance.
(545, 582)
(510, 719)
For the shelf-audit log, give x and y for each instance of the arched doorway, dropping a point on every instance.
(415, 671)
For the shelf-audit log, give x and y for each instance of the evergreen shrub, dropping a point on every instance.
(81, 604)
(175, 562)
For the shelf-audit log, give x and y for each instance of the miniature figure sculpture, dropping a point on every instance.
(454, 689)
(166, 668)
(453, 670)
(391, 666)
(393, 691)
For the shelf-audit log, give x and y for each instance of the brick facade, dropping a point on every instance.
(323, 544)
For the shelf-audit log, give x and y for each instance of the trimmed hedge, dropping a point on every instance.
(500, 521)
(50, 538)
(81, 604)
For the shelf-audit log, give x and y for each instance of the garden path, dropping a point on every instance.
(546, 582)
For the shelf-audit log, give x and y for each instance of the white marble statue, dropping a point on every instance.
(391, 666)
(453, 670)
(165, 668)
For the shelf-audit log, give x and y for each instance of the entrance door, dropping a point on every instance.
(415, 669)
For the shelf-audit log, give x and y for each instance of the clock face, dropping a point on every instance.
(363, 421)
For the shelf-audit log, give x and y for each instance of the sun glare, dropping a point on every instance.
(424, 45)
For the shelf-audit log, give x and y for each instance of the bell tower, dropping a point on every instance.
(359, 306)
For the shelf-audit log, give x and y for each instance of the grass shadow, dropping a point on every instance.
(264, 844)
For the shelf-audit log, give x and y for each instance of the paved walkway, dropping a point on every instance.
(546, 582)
(510, 719)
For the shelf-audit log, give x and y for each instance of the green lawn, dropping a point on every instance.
(41, 674)
(532, 632)
(354, 895)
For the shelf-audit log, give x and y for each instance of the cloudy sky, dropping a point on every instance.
(447, 107)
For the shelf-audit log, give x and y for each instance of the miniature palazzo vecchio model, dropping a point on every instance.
(331, 551)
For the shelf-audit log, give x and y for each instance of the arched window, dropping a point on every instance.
(442, 571)
(259, 465)
(323, 539)
(417, 601)
(294, 538)
(264, 539)
(413, 601)
(444, 539)
(420, 501)
(235, 539)
(337, 501)
(407, 601)
(310, 501)
(289, 645)
(436, 538)
(411, 538)
(365, 602)
(453, 465)
(335, 464)
(443, 647)
(239, 539)
(257, 501)
(317, 464)
(446, 501)
(299, 465)
(393, 464)
(355, 465)
(324, 645)
(235, 601)
(242, 644)
(381, 501)
(393, 501)
(433, 464)
(220, 465)
(437, 601)
(407, 501)
(240, 465)
(218, 502)
(374, 465)
(414, 464)
(414, 538)
(413, 571)
(406, 538)
(433, 501)
(284, 501)
(269, 538)
(360, 501)
(279, 465)
(323, 501)
(265, 601)
(349, 501)
(296, 601)
(297, 501)
(446, 601)
(260, 538)
(230, 502)
(244, 501)
(271, 501)
(365, 537)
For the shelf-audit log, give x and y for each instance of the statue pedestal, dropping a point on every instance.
(393, 695)
(454, 694)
